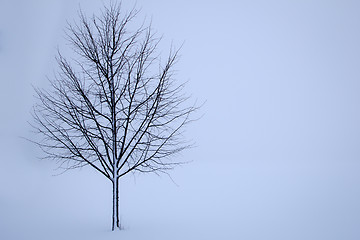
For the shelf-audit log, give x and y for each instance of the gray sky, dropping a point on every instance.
(278, 146)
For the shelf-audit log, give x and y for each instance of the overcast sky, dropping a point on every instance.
(278, 145)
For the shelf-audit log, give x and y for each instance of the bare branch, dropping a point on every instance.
(115, 106)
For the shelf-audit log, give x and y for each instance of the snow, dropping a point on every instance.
(212, 201)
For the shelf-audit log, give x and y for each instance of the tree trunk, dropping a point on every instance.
(115, 217)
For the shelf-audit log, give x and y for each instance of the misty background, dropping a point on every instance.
(277, 153)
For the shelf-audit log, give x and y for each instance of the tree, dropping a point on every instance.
(116, 107)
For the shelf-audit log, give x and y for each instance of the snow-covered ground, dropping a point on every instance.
(242, 200)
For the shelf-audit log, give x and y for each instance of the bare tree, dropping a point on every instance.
(116, 106)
